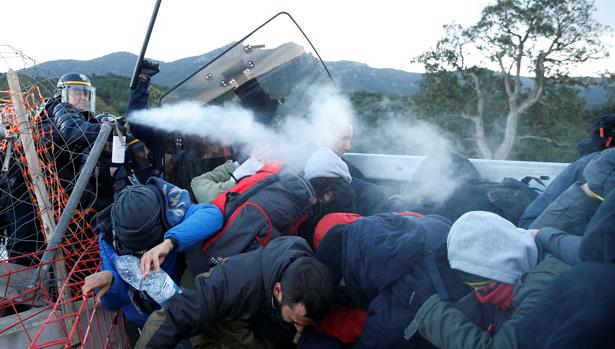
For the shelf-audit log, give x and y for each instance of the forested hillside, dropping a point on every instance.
(549, 133)
(112, 93)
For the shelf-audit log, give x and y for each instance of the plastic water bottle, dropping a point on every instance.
(160, 286)
(157, 284)
(128, 269)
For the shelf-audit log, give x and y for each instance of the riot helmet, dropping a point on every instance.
(77, 90)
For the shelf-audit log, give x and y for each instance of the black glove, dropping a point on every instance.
(148, 69)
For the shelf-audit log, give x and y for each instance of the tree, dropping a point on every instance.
(545, 38)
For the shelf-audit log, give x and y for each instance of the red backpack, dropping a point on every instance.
(274, 201)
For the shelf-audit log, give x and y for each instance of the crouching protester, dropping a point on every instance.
(386, 266)
(209, 185)
(600, 138)
(578, 309)
(573, 208)
(330, 177)
(273, 202)
(574, 249)
(155, 222)
(278, 289)
(501, 263)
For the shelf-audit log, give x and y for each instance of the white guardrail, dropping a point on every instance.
(401, 167)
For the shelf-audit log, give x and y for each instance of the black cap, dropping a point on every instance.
(135, 217)
(601, 137)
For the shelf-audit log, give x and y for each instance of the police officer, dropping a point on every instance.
(73, 115)
(68, 119)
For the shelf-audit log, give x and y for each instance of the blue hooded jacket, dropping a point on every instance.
(190, 224)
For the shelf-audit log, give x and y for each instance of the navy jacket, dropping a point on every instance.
(576, 311)
(570, 212)
(384, 269)
(569, 176)
(75, 128)
(369, 198)
(596, 244)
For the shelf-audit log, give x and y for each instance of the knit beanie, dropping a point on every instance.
(135, 217)
(325, 163)
(329, 221)
(485, 244)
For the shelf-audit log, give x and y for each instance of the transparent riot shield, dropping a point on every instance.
(268, 72)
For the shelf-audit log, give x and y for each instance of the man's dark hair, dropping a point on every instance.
(308, 281)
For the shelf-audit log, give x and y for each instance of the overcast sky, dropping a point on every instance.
(382, 33)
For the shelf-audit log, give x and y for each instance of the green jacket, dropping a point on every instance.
(211, 184)
(464, 324)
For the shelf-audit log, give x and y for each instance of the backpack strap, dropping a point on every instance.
(434, 275)
(431, 246)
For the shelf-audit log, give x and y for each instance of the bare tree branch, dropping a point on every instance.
(463, 115)
(545, 139)
(506, 77)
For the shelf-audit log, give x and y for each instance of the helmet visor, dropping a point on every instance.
(82, 97)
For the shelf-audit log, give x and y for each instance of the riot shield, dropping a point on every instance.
(268, 72)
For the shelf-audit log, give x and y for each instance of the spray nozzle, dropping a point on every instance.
(117, 121)
(107, 117)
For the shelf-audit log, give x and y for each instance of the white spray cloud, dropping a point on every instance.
(293, 141)
(224, 124)
(406, 135)
(304, 130)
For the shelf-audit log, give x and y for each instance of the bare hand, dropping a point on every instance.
(101, 280)
(261, 152)
(152, 259)
(297, 337)
(533, 232)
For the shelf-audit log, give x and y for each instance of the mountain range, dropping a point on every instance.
(349, 75)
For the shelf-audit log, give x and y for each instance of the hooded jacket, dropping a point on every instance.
(471, 324)
(600, 172)
(241, 286)
(573, 209)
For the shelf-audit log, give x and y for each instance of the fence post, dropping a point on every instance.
(40, 189)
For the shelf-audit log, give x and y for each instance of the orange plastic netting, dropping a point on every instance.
(51, 313)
